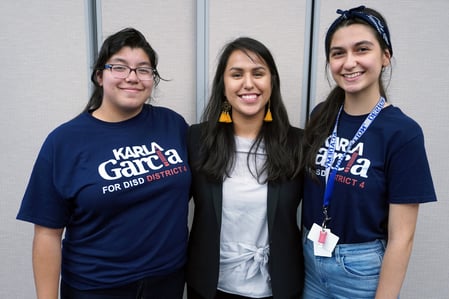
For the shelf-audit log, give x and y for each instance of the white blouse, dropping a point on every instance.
(244, 249)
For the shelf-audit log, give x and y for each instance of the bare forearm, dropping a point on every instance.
(46, 265)
(401, 231)
(394, 268)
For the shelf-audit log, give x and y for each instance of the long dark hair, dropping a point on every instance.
(321, 122)
(128, 37)
(218, 146)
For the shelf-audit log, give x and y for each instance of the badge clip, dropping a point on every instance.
(322, 237)
(323, 232)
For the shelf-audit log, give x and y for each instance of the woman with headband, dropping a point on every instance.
(362, 156)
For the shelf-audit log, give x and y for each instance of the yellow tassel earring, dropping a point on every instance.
(225, 117)
(268, 117)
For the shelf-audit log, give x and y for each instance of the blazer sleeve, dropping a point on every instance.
(203, 255)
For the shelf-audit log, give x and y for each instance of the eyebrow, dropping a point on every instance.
(364, 42)
(257, 68)
(123, 61)
(358, 44)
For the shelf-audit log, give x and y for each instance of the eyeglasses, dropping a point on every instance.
(120, 71)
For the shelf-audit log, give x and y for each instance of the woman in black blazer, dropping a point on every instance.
(244, 241)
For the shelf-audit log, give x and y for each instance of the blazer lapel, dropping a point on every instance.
(272, 202)
(217, 199)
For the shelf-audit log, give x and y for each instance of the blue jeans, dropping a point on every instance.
(352, 271)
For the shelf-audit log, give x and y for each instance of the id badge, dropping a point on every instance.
(324, 241)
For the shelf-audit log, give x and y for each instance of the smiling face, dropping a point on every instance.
(124, 98)
(247, 81)
(356, 60)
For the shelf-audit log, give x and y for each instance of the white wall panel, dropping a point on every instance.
(43, 82)
(280, 26)
(419, 86)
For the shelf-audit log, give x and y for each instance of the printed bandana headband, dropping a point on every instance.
(358, 12)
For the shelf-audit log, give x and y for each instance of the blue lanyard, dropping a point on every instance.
(331, 151)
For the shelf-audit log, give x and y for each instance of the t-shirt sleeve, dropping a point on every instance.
(408, 173)
(42, 204)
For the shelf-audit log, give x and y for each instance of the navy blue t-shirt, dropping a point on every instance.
(387, 165)
(121, 190)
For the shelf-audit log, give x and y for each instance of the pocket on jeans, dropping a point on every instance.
(363, 264)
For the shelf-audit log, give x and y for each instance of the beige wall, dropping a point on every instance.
(43, 82)
(44, 47)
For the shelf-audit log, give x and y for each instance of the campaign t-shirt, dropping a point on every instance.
(121, 190)
(387, 165)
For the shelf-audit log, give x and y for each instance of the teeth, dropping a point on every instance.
(249, 97)
(352, 75)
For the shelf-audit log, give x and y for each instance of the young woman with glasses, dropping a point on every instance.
(116, 180)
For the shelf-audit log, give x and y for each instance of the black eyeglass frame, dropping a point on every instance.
(110, 66)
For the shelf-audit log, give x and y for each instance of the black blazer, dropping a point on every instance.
(286, 260)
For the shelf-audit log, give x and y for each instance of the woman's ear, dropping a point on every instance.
(99, 77)
(386, 58)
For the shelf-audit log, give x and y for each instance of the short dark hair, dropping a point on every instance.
(128, 37)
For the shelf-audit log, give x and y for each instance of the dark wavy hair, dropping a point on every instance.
(321, 122)
(128, 37)
(218, 147)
